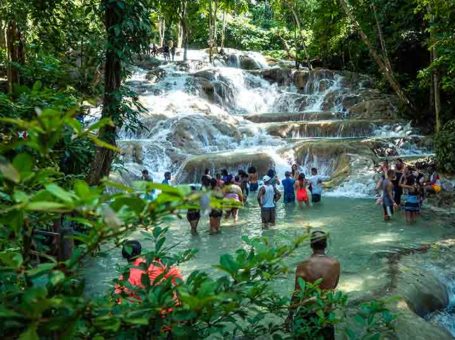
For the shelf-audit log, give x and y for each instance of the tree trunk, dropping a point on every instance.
(223, 32)
(215, 30)
(162, 30)
(102, 161)
(210, 41)
(302, 38)
(184, 26)
(16, 54)
(383, 65)
(180, 35)
(435, 79)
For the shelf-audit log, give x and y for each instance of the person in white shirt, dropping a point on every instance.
(267, 197)
(316, 185)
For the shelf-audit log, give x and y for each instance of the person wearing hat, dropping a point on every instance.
(318, 266)
(288, 186)
(268, 195)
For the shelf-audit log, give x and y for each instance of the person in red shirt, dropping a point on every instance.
(132, 251)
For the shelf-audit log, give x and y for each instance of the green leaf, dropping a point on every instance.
(8, 313)
(30, 333)
(47, 206)
(8, 171)
(11, 259)
(103, 144)
(228, 263)
(23, 163)
(41, 269)
(81, 188)
(60, 193)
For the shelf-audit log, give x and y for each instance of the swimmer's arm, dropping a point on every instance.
(389, 192)
(260, 193)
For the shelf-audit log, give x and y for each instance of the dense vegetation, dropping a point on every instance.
(60, 57)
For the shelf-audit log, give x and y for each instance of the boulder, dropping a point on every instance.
(193, 168)
(300, 79)
(207, 74)
(206, 87)
(281, 76)
(148, 62)
(383, 108)
(155, 75)
(248, 63)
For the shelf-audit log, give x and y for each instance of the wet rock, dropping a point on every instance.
(206, 87)
(148, 62)
(300, 79)
(155, 75)
(289, 116)
(281, 76)
(248, 63)
(207, 74)
(384, 108)
(193, 168)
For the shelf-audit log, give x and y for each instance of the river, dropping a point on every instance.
(241, 111)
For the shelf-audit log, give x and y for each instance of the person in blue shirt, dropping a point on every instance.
(167, 178)
(288, 186)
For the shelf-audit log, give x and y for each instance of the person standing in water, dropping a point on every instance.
(216, 213)
(288, 186)
(268, 195)
(253, 179)
(316, 185)
(274, 178)
(167, 178)
(412, 205)
(244, 183)
(318, 266)
(397, 189)
(295, 172)
(157, 272)
(193, 216)
(233, 192)
(301, 192)
(206, 179)
(146, 177)
(388, 203)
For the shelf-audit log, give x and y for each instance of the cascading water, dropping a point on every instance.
(203, 115)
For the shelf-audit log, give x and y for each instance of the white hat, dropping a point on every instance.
(266, 178)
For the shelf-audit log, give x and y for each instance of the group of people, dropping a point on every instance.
(407, 181)
(227, 187)
(168, 50)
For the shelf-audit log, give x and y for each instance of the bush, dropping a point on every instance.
(445, 146)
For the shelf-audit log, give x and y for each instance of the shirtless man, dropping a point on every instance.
(318, 266)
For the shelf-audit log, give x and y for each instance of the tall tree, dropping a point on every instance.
(382, 61)
(128, 29)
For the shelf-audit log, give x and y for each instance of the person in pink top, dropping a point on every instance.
(132, 251)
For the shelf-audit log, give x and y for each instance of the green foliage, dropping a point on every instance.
(445, 146)
(373, 321)
(315, 313)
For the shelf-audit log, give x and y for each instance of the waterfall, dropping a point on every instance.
(239, 111)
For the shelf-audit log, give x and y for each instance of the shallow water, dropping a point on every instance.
(359, 238)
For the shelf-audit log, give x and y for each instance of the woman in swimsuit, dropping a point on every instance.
(216, 214)
(412, 205)
(233, 192)
(193, 216)
(301, 192)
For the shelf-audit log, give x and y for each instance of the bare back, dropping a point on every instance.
(319, 267)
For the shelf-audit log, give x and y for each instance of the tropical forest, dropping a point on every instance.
(227, 169)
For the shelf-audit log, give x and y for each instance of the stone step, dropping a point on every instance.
(335, 128)
(273, 117)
